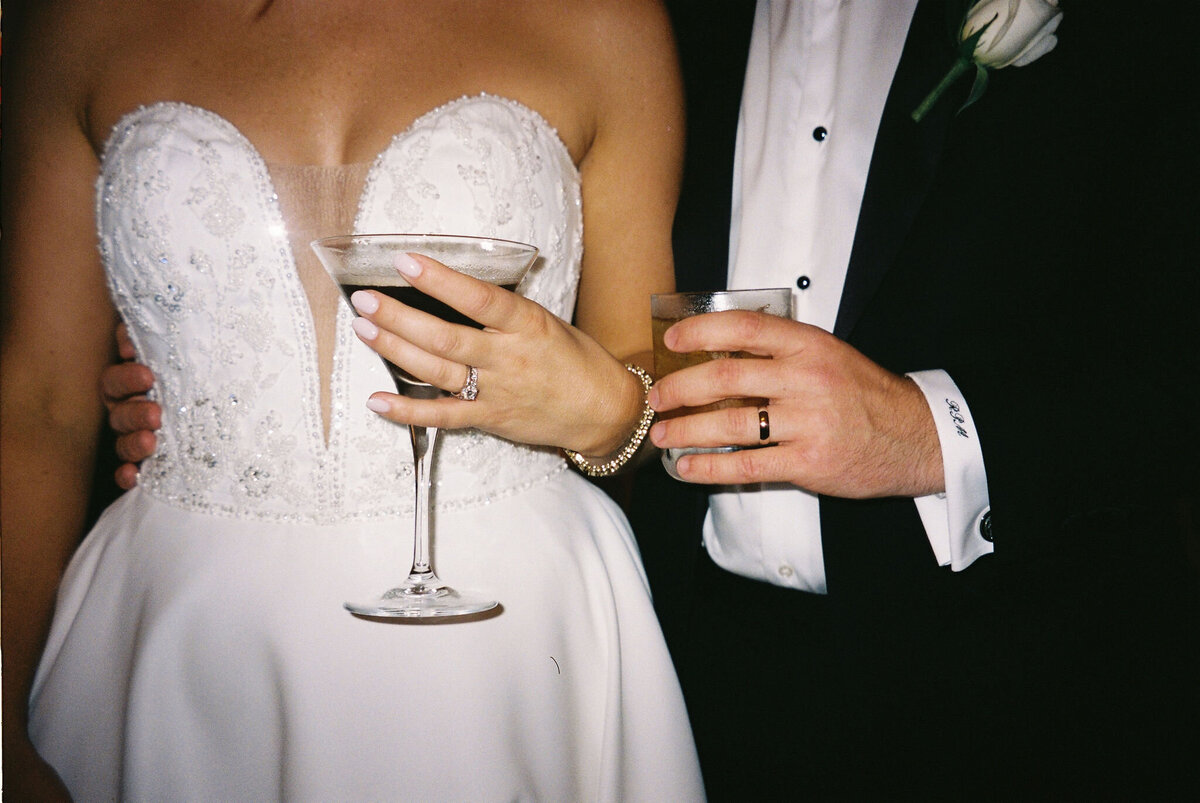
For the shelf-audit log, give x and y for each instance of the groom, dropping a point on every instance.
(987, 595)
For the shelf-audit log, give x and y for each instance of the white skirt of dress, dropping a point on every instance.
(194, 657)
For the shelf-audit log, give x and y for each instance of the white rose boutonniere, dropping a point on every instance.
(995, 34)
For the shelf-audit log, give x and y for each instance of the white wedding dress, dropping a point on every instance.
(200, 650)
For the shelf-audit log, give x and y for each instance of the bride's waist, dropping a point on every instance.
(350, 481)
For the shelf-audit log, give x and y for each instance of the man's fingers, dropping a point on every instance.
(135, 447)
(713, 381)
(126, 476)
(124, 344)
(732, 426)
(133, 416)
(123, 380)
(746, 466)
(739, 330)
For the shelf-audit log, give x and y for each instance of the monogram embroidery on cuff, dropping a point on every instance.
(957, 416)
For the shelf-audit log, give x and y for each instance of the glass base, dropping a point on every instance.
(422, 600)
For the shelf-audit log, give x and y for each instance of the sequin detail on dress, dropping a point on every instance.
(200, 266)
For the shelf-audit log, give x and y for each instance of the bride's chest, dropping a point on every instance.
(333, 89)
(184, 199)
(200, 265)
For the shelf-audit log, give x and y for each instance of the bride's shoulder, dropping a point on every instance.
(69, 33)
(598, 25)
(595, 27)
(52, 52)
(58, 51)
(632, 13)
(616, 41)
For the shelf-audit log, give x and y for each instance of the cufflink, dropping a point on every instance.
(985, 527)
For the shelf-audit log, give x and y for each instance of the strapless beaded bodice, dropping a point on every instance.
(200, 267)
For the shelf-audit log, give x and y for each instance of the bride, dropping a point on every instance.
(198, 648)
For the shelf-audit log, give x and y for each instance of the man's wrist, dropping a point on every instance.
(964, 503)
(926, 473)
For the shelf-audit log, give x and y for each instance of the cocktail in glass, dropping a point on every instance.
(667, 309)
(367, 262)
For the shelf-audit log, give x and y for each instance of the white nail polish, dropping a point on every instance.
(364, 302)
(377, 405)
(365, 329)
(407, 265)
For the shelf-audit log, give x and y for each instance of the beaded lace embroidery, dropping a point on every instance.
(200, 267)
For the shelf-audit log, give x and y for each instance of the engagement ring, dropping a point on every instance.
(470, 390)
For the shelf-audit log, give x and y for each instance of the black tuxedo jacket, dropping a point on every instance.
(1040, 246)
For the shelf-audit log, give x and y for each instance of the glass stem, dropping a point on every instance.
(423, 440)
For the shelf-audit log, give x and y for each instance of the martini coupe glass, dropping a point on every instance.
(367, 262)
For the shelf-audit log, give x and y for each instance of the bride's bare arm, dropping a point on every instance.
(57, 331)
(630, 183)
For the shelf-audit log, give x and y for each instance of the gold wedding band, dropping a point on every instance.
(764, 425)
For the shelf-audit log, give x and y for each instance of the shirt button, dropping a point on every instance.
(985, 527)
(786, 571)
(819, 133)
(803, 282)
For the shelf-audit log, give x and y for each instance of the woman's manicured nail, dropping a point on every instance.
(408, 266)
(377, 405)
(365, 329)
(364, 302)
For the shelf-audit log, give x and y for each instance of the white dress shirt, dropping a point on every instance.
(816, 81)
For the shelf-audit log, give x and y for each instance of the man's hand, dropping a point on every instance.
(133, 416)
(839, 424)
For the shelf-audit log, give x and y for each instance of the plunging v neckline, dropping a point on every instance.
(321, 390)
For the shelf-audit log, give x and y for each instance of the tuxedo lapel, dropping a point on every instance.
(903, 162)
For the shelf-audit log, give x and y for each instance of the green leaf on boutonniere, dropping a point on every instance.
(966, 50)
(978, 87)
(966, 58)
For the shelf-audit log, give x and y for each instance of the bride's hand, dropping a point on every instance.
(540, 380)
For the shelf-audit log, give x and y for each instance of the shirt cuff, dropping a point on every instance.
(957, 521)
